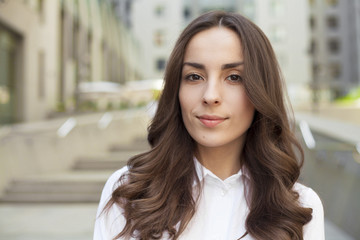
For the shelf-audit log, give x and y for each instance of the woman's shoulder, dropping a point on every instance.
(310, 199)
(113, 181)
(307, 196)
(118, 173)
(110, 224)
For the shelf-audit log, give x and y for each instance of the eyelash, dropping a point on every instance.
(239, 78)
(191, 76)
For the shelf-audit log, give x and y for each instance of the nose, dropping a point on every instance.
(212, 93)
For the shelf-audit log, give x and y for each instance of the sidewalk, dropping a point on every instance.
(341, 130)
(71, 222)
(332, 232)
(47, 222)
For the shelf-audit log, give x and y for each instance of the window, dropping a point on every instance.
(159, 10)
(105, 60)
(332, 22)
(160, 64)
(313, 47)
(187, 12)
(315, 69)
(332, 2)
(283, 60)
(3, 2)
(336, 93)
(75, 40)
(88, 55)
(9, 43)
(41, 68)
(334, 70)
(278, 34)
(277, 8)
(159, 38)
(334, 45)
(249, 9)
(312, 22)
(40, 9)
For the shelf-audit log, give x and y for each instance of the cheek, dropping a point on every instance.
(247, 103)
(185, 99)
(248, 109)
(242, 105)
(183, 104)
(181, 97)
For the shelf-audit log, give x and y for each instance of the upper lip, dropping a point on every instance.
(211, 117)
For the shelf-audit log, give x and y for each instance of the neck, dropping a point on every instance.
(222, 161)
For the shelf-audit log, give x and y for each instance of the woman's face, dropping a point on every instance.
(215, 108)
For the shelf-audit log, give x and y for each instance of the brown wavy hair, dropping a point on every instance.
(157, 192)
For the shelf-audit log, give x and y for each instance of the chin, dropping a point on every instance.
(211, 144)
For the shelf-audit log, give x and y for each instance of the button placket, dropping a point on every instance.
(223, 192)
(225, 188)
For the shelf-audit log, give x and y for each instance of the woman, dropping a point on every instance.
(223, 159)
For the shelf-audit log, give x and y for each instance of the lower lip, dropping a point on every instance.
(211, 122)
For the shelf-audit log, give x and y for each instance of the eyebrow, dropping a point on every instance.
(195, 65)
(223, 67)
(231, 65)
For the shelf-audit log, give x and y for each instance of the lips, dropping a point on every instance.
(211, 120)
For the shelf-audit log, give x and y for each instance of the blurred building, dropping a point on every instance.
(335, 46)
(123, 11)
(47, 48)
(285, 24)
(194, 8)
(156, 25)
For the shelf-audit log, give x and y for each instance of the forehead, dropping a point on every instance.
(217, 43)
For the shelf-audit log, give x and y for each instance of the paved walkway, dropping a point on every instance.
(340, 130)
(71, 222)
(47, 222)
(332, 232)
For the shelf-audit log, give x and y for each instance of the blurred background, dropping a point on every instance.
(79, 80)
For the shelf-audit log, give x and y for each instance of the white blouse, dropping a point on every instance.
(221, 211)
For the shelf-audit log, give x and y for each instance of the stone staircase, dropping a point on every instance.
(81, 184)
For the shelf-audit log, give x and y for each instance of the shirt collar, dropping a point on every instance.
(202, 172)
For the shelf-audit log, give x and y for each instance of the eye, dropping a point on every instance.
(234, 78)
(193, 77)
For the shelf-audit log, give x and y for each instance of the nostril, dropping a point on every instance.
(211, 101)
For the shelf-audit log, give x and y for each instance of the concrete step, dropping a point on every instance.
(139, 145)
(111, 161)
(81, 184)
(22, 186)
(50, 198)
(68, 187)
(94, 164)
